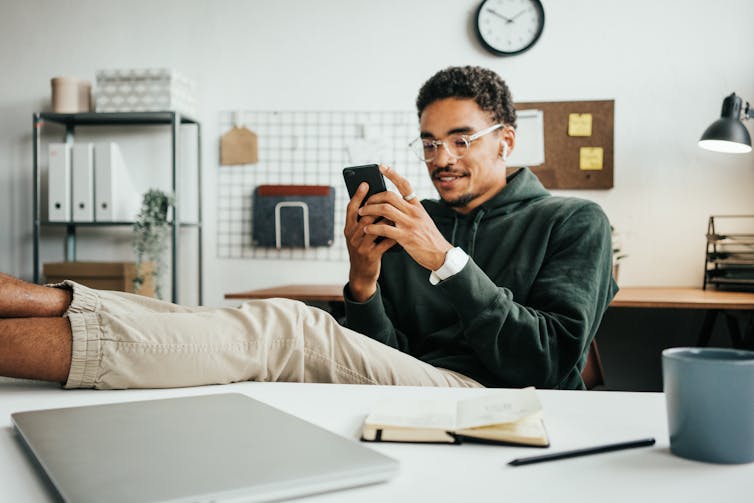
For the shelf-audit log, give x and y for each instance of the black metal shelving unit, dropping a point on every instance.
(167, 118)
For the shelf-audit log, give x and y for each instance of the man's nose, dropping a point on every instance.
(443, 157)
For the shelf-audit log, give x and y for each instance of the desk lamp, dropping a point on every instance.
(728, 133)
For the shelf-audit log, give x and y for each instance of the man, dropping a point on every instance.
(543, 320)
(498, 280)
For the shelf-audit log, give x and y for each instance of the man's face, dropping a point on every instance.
(472, 180)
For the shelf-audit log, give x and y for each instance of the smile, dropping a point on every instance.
(448, 177)
(446, 181)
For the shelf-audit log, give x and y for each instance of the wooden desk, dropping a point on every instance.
(440, 473)
(682, 298)
(713, 302)
(304, 293)
(648, 297)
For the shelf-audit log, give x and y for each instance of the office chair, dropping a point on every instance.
(592, 373)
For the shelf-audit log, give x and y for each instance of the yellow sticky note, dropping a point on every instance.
(590, 158)
(579, 124)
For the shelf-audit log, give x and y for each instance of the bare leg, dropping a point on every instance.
(19, 299)
(35, 348)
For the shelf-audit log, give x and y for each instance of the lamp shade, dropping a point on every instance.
(728, 133)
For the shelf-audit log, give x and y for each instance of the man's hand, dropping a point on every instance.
(410, 224)
(364, 253)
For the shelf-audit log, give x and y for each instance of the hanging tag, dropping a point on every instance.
(239, 145)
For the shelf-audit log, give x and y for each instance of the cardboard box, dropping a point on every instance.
(118, 276)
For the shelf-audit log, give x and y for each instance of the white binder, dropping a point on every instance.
(59, 183)
(82, 182)
(114, 197)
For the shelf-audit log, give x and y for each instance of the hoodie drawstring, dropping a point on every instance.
(455, 228)
(474, 229)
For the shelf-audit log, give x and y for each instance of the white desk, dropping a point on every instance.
(442, 473)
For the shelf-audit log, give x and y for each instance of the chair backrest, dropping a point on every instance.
(592, 373)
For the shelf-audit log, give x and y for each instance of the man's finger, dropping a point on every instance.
(355, 231)
(352, 209)
(358, 197)
(385, 245)
(384, 230)
(403, 185)
(384, 210)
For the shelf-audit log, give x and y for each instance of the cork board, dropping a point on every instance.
(564, 159)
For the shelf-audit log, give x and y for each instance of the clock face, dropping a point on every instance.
(508, 27)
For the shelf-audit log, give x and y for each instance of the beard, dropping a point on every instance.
(461, 201)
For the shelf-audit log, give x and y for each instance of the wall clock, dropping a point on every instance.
(507, 27)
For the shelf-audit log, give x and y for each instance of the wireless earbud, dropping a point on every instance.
(505, 151)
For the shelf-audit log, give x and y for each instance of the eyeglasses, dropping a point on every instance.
(456, 145)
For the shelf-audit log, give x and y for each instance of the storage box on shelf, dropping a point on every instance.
(118, 276)
(144, 90)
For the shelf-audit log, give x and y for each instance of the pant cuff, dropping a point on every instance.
(85, 299)
(86, 351)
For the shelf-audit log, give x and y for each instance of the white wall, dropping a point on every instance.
(667, 64)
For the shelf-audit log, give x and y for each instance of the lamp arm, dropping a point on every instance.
(748, 112)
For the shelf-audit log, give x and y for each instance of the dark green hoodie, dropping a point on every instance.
(523, 310)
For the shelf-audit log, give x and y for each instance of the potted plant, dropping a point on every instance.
(618, 254)
(150, 242)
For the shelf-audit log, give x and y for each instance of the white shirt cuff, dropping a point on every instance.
(455, 261)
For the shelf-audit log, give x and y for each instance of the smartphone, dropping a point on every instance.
(369, 173)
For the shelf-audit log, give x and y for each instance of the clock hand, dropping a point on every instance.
(495, 13)
(517, 14)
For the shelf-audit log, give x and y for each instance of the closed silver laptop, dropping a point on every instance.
(202, 448)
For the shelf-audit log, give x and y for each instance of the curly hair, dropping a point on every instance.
(484, 86)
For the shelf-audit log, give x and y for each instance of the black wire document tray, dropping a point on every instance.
(729, 260)
(293, 216)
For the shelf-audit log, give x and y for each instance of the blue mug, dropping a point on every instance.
(709, 394)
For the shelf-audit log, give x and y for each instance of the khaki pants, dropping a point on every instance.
(122, 340)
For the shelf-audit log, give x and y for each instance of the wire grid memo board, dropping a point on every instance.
(310, 148)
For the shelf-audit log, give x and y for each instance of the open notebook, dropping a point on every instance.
(506, 416)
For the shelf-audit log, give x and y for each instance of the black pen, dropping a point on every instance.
(583, 452)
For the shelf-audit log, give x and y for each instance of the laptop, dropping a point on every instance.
(200, 448)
